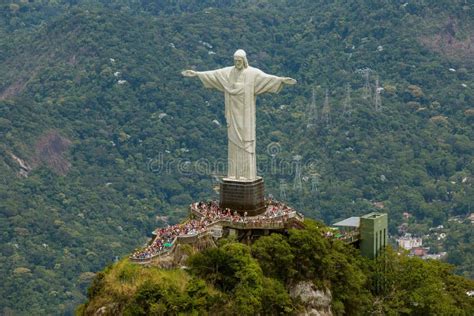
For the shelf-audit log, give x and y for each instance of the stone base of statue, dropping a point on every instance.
(243, 196)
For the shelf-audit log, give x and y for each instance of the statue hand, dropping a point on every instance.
(189, 73)
(289, 80)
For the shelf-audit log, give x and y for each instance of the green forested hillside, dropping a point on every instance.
(85, 87)
(238, 279)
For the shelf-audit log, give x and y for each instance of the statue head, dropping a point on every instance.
(240, 59)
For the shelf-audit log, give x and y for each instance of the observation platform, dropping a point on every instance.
(210, 222)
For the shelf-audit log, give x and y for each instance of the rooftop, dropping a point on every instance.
(374, 215)
(349, 222)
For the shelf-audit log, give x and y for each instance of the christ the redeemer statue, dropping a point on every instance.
(240, 84)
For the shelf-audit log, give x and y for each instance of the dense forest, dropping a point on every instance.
(260, 279)
(103, 139)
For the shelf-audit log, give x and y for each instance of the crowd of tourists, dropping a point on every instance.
(165, 237)
(212, 211)
(209, 213)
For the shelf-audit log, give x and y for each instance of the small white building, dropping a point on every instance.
(407, 242)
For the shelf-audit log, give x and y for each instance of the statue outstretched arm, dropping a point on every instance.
(189, 73)
(265, 83)
(212, 79)
(288, 80)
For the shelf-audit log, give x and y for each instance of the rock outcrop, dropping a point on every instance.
(316, 302)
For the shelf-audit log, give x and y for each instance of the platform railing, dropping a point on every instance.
(276, 222)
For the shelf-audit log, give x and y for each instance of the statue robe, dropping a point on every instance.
(240, 89)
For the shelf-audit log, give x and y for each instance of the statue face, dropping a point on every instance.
(239, 63)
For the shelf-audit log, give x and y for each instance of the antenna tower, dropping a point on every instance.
(378, 98)
(215, 184)
(314, 183)
(326, 112)
(282, 189)
(312, 111)
(297, 184)
(366, 91)
(347, 106)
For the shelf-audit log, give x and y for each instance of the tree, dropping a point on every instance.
(275, 257)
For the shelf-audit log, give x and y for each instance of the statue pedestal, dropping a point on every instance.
(243, 196)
